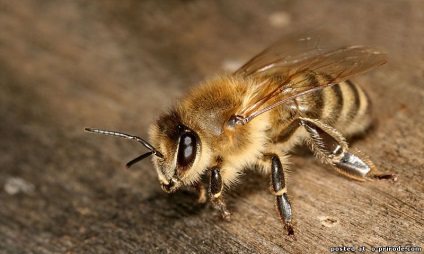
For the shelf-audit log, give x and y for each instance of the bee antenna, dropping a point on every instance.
(127, 136)
(139, 158)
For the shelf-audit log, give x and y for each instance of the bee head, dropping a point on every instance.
(176, 149)
(181, 147)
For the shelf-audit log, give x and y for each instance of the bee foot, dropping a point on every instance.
(290, 233)
(226, 215)
(391, 177)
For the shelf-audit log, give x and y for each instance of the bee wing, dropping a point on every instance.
(286, 52)
(294, 74)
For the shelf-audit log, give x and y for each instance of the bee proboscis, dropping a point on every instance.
(291, 93)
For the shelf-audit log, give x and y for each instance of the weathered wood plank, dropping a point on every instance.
(64, 66)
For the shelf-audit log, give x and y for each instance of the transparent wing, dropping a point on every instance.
(288, 51)
(304, 75)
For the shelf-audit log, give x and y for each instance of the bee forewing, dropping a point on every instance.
(328, 69)
(340, 65)
(287, 51)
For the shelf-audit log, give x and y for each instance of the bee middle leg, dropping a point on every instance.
(280, 191)
(215, 190)
(331, 147)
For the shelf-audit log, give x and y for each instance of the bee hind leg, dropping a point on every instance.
(330, 145)
(280, 191)
(215, 191)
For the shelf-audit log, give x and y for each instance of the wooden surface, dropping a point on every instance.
(116, 65)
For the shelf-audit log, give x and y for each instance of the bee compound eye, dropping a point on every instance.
(187, 149)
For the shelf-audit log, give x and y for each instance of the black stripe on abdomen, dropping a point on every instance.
(356, 102)
(312, 105)
(337, 102)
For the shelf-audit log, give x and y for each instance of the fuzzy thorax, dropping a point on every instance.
(206, 110)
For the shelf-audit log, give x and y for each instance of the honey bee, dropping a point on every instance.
(294, 92)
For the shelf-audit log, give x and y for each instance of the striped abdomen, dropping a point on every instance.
(344, 106)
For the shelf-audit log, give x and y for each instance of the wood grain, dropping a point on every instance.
(71, 64)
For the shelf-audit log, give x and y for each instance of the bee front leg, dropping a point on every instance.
(215, 190)
(280, 191)
(331, 147)
(200, 188)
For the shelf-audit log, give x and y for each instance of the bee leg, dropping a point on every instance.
(329, 145)
(280, 191)
(200, 188)
(215, 190)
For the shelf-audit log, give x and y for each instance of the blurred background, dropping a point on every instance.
(66, 65)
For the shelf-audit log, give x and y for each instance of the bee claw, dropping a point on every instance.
(290, 233)
(225, 214)
(386, 177)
